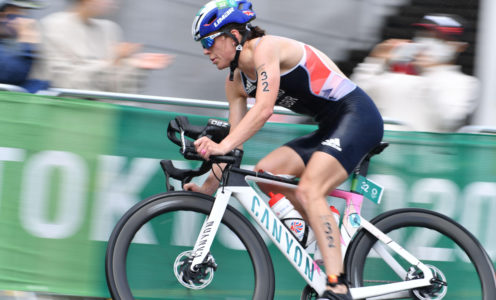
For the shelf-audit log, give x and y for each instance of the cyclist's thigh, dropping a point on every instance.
(323, 174)
(282, 160)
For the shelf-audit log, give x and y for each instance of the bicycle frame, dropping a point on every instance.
(297, 254)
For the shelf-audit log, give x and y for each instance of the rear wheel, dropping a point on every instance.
(461, 267)
(149, 253)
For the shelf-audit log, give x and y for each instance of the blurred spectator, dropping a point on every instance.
(19, 39)
(82, 52)
(417, 81)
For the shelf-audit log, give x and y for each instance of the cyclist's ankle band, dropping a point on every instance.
(333, 280)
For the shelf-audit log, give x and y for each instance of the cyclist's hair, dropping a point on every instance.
(255, 31)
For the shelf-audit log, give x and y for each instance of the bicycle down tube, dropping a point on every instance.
(281, 237)
(275, 229)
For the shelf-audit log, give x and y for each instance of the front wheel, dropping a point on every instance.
(461, 267)
(148, 252)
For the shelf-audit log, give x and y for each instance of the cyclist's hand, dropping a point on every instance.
(192, 187)
(206, 147)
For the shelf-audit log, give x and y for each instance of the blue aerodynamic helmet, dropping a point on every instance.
(218, 13)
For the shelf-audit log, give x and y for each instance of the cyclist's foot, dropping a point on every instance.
(340, 286)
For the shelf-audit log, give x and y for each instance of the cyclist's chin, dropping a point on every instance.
(221, 66)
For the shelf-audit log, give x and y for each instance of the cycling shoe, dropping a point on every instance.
(333, 296)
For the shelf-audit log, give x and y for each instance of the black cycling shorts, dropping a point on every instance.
(347, 135)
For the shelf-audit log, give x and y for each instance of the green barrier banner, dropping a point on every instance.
(70, 168)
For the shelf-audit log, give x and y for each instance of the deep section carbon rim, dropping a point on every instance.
(436, 241)
(148, 239)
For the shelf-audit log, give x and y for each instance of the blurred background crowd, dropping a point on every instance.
(420, 60)
(428, 64)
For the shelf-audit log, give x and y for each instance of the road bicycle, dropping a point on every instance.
(205, 248)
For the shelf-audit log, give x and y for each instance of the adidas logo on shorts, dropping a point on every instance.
(334, 143)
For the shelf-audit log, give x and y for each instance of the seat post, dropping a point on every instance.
(363, 167)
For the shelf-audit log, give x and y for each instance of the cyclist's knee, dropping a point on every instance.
(259, 167)
(305, 193)
(265, 166)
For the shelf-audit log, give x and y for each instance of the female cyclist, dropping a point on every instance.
(281, 71)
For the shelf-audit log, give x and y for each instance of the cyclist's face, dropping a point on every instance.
(221, 52)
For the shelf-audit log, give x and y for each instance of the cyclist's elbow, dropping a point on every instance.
(266, 113)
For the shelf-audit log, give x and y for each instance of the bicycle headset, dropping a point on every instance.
(214, 16)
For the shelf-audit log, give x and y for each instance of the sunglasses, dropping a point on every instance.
(208, 41)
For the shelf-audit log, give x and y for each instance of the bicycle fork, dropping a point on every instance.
(209, 228)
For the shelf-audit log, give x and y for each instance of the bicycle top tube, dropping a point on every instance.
(265, 175)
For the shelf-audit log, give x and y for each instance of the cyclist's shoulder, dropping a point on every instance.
(277, 49)
(273, 43)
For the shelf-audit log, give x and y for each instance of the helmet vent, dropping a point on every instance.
(244, 6)
(211, 20)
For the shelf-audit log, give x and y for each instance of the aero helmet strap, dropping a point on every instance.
(239, 47)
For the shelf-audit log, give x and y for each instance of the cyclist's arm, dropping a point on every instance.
(237, 99)
(266, 58)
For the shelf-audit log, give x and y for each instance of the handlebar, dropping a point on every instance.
(216, 130)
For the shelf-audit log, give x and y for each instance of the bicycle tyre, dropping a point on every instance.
(170, 203)
(361, 265)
